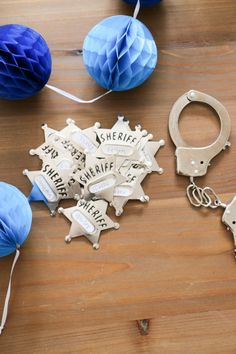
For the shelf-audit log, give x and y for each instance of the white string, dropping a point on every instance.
(8, 294)
(74, 98)
(137, 9)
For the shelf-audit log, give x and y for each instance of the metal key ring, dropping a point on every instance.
(194, 161)
(197, 196)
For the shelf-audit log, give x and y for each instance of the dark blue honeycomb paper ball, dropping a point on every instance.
(144, 3)
(25, 62)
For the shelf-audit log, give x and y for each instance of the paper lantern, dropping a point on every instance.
(120, 53)
(25, 62)
(15, 218)
(144, 3)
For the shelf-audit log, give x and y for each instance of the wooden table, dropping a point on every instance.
(169, 263)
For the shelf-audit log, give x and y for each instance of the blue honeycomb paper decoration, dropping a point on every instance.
(15, 218)
(120, 53)
(143, 3)
(25, 62)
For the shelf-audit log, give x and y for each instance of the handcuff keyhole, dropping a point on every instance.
(234, 222)
(202, 162)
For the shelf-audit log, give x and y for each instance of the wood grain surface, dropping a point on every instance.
(169, 263)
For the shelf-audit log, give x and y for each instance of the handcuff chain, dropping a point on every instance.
(205, 197)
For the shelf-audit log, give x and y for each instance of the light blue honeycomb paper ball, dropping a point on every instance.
(15, 218)
(120, 53)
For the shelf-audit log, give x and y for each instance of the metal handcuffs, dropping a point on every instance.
(194, 161)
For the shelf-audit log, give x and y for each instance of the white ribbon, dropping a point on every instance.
(137, 9)
(74, 98)
(8, 294)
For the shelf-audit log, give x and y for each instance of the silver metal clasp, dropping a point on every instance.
(194, 161)
(229, 219)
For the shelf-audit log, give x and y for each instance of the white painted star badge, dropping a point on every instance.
(147, 156)
(135, 172)
(131, 189)
(120, 141)
(83, 139)
(99, 178)
(88, 218)
(58, 145)
(53, 183)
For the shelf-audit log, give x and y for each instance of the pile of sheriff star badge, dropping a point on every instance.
(96, 167)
